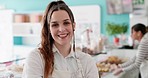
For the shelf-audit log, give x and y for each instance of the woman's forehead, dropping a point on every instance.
(59, 15)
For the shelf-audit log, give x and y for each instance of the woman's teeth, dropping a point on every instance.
(62, 35)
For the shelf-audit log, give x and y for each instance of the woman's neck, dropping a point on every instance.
(140, 38)
(64, 49)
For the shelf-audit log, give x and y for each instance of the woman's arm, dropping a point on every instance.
(126, 64)
(142, 54)
(33, 67)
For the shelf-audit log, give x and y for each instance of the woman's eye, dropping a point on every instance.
(66, 23)
(54, 25)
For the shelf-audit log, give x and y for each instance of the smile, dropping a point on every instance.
(63, 35)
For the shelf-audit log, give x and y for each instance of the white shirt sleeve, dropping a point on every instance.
(33, 67)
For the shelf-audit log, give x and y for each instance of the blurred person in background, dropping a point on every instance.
(140, 61)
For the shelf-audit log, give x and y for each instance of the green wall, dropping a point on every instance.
(40, 5)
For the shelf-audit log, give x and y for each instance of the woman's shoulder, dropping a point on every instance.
(143, 45)
(146, 34)
(34, 53)
(35, 56)
(145, 38)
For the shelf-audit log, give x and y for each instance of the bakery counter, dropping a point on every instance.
(12, 71)
(130, 74)
(114, 57)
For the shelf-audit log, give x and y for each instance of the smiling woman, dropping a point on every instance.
(56, 56)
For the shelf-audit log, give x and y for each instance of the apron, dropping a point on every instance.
(144, 69)
(68, 74)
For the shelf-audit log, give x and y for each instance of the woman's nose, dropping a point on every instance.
(61, 28)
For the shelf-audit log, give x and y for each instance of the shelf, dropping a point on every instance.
(26, 29)
(26, 35)
(29, 32)
(27, 24)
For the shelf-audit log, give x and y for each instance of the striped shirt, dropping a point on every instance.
(141, 56)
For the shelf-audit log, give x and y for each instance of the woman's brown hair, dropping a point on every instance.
(140, 27)
(46, 38)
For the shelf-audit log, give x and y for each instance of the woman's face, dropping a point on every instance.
(135, 35)
(61, 27)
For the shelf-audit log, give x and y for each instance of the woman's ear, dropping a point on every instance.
(139, 33)
(74, 26)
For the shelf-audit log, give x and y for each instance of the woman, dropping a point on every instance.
(140, 61)
(56, 57)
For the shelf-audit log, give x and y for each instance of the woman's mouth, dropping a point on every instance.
(63, 35)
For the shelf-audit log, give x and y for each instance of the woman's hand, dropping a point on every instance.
(113, 67)
(118, 71)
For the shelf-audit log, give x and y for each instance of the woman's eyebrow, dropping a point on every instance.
(56, 21)
(53, 22)
(66, 19)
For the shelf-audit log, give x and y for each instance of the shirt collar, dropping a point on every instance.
(71, 54)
